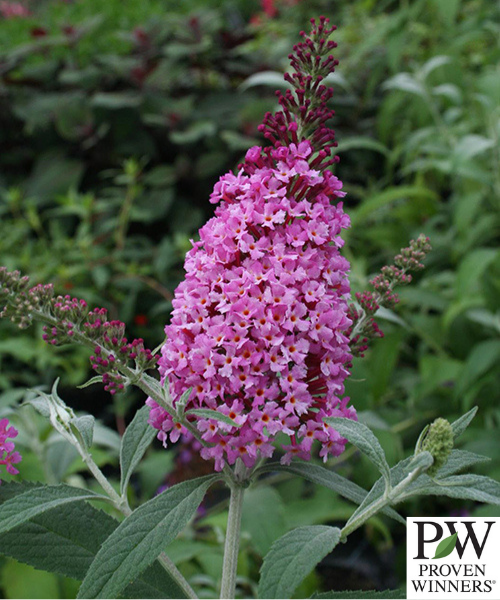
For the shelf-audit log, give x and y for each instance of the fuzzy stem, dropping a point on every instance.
(232, 545)
(390, 497)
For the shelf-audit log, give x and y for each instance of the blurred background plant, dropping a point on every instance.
(116, 119)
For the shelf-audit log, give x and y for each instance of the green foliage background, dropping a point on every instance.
(117, 118)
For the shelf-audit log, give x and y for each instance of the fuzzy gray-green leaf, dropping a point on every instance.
(85, 427)
(461, 424)
(364, 439)
(36, 501)
(207, 413)
(136, 440)
(293, 557)
(65, 540)
(141, 537)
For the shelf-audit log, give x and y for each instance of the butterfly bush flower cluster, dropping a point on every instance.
(8, 456)
(258, 324)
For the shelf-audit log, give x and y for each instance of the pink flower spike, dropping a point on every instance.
(8, 456)
(258, 326)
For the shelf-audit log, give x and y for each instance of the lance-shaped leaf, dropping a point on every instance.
(136, 440)
(36, 501)
(141, 537)
(468, 487)
(331, 480)
(293, 557)
(96, 379)
(461, 424)
(207, 413)
(84, 426)
(66, 539)
(364, 439)
(459, 460)
(446, 546)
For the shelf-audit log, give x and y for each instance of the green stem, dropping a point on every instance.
(124, 216)
(394, 495)
(174, 572)
(232, 545)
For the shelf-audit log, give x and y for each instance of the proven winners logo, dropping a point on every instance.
(453, 557)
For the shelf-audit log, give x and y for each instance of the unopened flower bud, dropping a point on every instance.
(439, 442)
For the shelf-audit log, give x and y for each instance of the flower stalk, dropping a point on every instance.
(232, 544)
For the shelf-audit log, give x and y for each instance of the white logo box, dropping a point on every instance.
(470, 571)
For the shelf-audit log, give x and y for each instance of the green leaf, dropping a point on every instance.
(36, 501)
(363, 143)
(116, 100)
(446, 546)
(206, 413)
(422, 459)
(272, 79)
(364, 439)
(293, 557)
(136, 440)
(85, 427)
(104, 436)
(363, 595)
(374, 203)
(65, 541)
(180, 405)
(482, 358)
(263, 517)
(160, 176)
(471, 145)
(194, 133)
(459, 460)
(41, 404)
(461, 424)
(331, 480)
(404, 82)
(53, 174)
(447, 10)
(468, 487)
(432, 64)
(96, 379)
(141, 537)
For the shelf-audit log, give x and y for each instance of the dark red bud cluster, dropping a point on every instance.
(411, 258)
(367, 301)
(20, 302)
(105, 364)
(69, 319)
(304, 112)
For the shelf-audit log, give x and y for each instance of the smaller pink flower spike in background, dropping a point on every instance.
(8, 456)
(258, 324)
